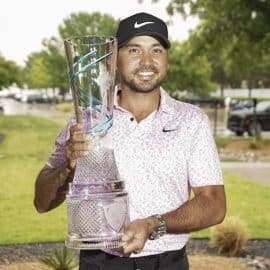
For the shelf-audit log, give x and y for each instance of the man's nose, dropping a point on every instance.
(146, 59)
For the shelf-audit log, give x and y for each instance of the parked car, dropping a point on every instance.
(245, 104)
(34, 97)
(204, 101)
(253, 120)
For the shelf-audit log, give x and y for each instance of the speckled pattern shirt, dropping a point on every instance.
(160, 159)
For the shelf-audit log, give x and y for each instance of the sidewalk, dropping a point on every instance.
(257, 171)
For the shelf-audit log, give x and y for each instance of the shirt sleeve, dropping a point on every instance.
(58, 157)
(204, 167)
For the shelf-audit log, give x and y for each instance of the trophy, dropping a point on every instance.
(97, 203)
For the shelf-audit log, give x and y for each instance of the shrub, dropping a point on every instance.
(258, 142)
(62, 259)
(230, 236)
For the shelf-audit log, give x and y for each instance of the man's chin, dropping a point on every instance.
(144, 90)
(145, 87)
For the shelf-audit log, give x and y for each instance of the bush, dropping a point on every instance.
(230, 236)
(62, 259)
(258, 142)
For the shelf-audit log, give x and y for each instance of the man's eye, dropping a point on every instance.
(134, 50)
(157, 51)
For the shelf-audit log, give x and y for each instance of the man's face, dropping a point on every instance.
(143, 64)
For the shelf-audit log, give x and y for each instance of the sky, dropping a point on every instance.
(25, 23)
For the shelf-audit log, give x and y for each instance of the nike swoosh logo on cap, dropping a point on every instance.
(138, 25)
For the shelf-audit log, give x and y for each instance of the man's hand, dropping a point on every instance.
(137, 233)
(78, 145)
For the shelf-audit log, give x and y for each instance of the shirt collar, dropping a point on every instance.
(167, 104)
(115, 98)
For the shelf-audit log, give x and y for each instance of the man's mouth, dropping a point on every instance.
(146, 75)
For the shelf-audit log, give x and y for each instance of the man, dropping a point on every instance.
(163, 148)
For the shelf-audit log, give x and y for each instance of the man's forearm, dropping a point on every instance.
(198, 213)
(51, 186)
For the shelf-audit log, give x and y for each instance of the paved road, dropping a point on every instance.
(257, 171)
(13, 107)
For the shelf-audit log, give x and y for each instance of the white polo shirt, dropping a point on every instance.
(159, 159)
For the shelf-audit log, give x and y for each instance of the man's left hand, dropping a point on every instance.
(136, 235)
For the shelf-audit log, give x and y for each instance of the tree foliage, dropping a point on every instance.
(36, 73)
(48, 68)
(188, 71)
(234, 34)
(83, 23)
(55, 63)
(10, 73)
(228, 18)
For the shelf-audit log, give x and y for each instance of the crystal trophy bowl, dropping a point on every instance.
(97, 215)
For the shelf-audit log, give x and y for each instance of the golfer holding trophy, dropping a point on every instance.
(163, 148)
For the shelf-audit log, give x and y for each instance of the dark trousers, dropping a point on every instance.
(99, 260)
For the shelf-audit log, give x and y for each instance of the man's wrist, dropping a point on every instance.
(153, 223)
(157, 227)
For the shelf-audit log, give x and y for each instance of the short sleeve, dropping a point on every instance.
(58, 157)
(203, 164)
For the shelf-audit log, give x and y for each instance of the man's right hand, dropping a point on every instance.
(78, 145)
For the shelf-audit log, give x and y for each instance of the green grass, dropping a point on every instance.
(25, 149)
(27, 144)
(65, 107)
(249, 201)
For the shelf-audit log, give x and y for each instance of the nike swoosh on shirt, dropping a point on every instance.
(167, 130)
(138, 25)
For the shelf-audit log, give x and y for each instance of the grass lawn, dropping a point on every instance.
(249, 201)
(27, 143)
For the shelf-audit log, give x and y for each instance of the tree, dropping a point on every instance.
(48, 68)
(83, 23)
(228, 18)
(36, 72)
(55, 64)
(10, 73)
(188, 71)
(238, 32)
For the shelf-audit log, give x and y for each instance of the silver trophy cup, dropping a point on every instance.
(97, 204)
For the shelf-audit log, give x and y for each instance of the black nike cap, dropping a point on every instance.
(141, 24)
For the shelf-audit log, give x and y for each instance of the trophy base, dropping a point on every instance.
(84, 244)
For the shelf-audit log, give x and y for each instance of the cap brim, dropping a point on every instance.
(162, 39)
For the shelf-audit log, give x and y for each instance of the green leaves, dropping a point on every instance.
(233, 34)
(83, 23)
(47, 68)
(10, 73)
(62, 259)
(188, 71)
